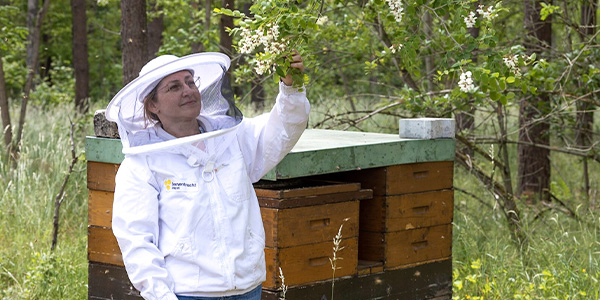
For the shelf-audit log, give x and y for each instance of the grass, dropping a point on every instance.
(561, 262)
(28, 269)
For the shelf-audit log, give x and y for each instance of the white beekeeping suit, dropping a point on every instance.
(185, 213)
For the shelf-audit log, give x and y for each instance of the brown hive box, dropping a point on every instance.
(409, 219)
(301, 218)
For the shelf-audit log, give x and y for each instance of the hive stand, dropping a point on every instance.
(393, 196)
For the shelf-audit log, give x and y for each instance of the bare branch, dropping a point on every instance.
(61, 193)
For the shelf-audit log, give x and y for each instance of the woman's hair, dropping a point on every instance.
(149, 116)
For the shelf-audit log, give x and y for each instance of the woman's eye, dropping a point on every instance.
(174, 88)
(191, 84)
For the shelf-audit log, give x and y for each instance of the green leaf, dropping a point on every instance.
(502, 84)
(494, 95)
(503, 100)
(510, 79)
(279, 71)
(532, 56)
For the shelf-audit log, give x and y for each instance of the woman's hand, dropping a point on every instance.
(295, 64)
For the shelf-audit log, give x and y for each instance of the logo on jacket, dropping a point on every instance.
(176, 185)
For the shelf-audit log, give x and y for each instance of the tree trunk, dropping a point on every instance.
(199, 46)
(30, 75)
(155, 30)
(80, 55)
(134, 40)
(226, 40)
(5, 109)
(534, 162)
(32, 9)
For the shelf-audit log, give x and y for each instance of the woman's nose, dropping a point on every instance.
(189, 90)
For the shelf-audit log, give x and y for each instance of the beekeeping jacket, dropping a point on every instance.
(185, 214)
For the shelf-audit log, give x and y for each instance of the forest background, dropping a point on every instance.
(521, 78)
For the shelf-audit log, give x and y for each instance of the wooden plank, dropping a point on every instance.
(323, 152)
(301, 188)
(419, 210)
(314, 200)
(419, 177)
(108, 282)
(309, 225)
(270, 219)
(408, 211)
(101, 176)
(406, 247)
(432, 280)
(417, 245)
(100, 208)
(103, 246)
(308, 263)
(401, 179)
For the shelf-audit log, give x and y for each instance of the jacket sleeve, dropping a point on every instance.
(135, 225)
(266, 139)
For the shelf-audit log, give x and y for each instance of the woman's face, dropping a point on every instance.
(178, 98)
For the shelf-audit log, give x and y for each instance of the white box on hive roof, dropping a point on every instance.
(426, 128)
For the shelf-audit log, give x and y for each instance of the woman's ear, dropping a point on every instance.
(152, 107)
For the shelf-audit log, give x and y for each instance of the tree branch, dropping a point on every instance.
(60, 196)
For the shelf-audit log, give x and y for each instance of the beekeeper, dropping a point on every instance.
(185, 213)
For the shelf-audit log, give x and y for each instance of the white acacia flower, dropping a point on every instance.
(396, 9)
(470, 20)
(395, 48)
(250, 40)
(511, 60)
(322, 20)
(466, 82)
(261, 66)
(488, 14)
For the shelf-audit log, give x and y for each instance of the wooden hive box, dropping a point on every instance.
(409, 220)
(301, 218)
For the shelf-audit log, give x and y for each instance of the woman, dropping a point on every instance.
(185, 213)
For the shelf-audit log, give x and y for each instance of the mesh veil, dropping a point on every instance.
(218, 106)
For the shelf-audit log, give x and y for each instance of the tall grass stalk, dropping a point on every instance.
(336, 248)
(283, 286)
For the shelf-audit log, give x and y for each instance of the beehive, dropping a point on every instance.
(400, 224)
(409, 218)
